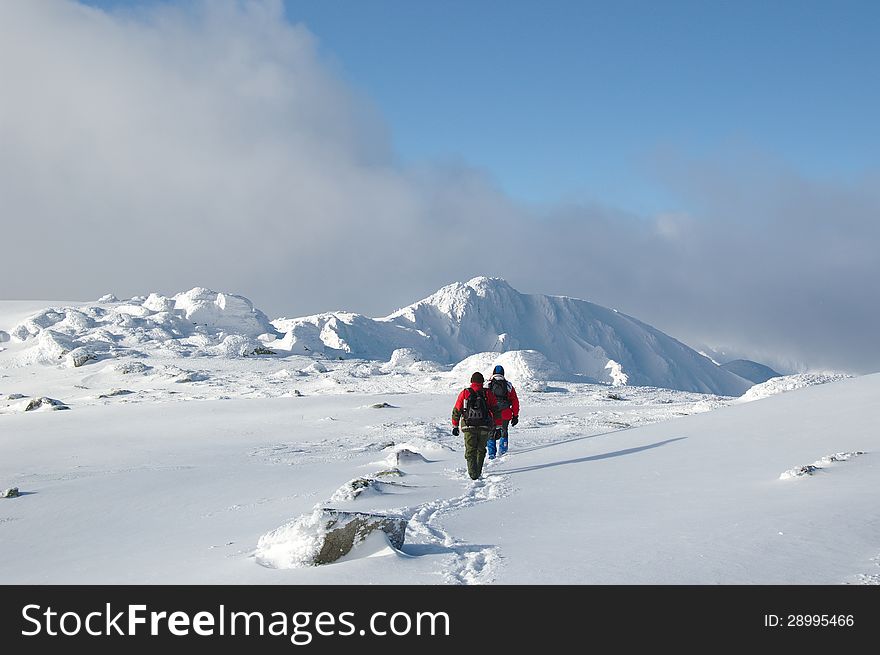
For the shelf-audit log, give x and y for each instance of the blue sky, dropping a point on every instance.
(708, 167)
(584, 101)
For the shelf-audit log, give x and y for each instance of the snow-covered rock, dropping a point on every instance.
(107, 298)
(43, 403)
(786, 383)
(158, 303)
(237, 345)
(196, 322)
(323, 536)
(131, 368)
(115, 392)
(81, 355)
(222, 312)
(402, 359)
(4, 336)
(521, 366)
(352, 489)
(618, 377)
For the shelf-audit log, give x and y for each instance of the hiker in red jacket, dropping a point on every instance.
(505, 394)
(477, 410)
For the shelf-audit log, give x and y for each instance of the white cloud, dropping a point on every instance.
(166, 148)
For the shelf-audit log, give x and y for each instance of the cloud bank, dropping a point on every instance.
(211, 145)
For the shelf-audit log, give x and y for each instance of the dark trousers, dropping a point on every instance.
(502, 440)
(475, 440)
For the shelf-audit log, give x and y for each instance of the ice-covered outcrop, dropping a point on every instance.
(786, 383)
(196, 322)
(219, 312)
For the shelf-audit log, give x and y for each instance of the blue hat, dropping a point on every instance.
(499, 370)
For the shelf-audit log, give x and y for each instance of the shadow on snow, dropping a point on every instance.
(591, 458)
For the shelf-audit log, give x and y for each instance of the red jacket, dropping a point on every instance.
(513, 410)
(490, 400)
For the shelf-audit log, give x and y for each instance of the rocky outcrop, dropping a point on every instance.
(407, 455)
(44, 403)
(115, 392)
(346, 529)
(323, 536)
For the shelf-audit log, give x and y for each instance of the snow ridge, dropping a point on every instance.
(487, 315)
(557, 338)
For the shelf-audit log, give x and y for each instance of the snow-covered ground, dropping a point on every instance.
(181, 463)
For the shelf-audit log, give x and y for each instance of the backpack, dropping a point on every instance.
(475, 410)
(499, 389)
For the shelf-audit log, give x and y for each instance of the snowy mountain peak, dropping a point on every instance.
(577, 338)
(484, 285)
(454, 299)
(487, 315)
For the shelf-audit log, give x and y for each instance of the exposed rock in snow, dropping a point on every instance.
(323, 537)
(4, 336)
(799, 472)
(44, 403)
(785, 383)
(838, 457)
(393, 472)
(402, 455)
(810, 469)
(181, 376)
(352, 489)
(12, 492)
(129, 368)
(108, 298)
(115, 392)
(82, 355)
